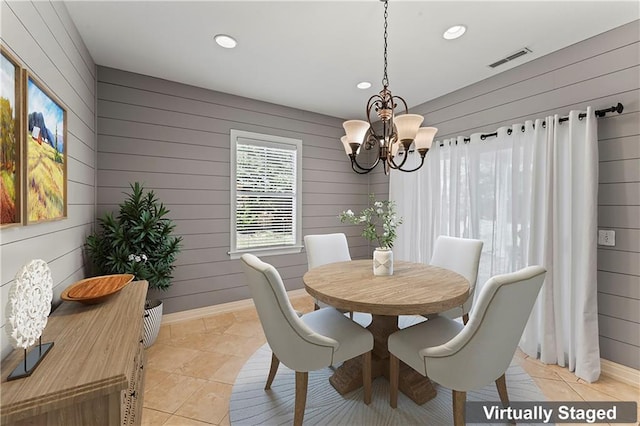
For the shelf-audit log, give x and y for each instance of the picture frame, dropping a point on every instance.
(11, 176)
(45, 133)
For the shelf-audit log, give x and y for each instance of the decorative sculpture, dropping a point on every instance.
(27, 312)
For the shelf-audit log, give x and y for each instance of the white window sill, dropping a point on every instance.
(263, 252)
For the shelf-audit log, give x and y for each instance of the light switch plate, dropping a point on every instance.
(606, 237)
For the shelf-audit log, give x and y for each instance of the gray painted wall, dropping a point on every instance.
(600, 72)
(43, 38)
(175, 139)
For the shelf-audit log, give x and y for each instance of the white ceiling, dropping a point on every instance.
(311, 54)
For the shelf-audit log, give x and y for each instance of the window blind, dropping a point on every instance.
(265, 194)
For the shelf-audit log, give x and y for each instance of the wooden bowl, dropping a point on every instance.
(96, 289)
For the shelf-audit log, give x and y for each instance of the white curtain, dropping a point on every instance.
(530, 193)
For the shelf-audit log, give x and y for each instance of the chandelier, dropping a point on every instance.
(397, 136)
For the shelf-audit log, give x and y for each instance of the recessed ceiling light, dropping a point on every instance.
(363, 85)
(225, 41)
(454, 32)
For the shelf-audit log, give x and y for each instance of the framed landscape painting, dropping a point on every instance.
(10, 147)
(46, 154)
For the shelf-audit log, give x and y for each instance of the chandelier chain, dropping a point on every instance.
(385, 79)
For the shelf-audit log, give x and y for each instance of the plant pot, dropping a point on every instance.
(382, 261)
(151, 323)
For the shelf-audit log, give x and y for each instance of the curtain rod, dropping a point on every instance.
(599, 114)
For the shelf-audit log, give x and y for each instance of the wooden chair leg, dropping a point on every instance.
(459, 400)
(275, 362)
(394, 372)
(366, 376)
(465, 319)
(351, 315)
(302, 378)
(315, 306)
(501, 384)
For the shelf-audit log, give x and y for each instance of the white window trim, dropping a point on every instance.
(266, 140)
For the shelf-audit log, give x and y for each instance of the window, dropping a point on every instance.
(265, 194)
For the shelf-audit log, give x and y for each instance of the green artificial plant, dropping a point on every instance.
(137, 241)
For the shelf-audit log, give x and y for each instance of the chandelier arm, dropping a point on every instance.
(406, 108)
(363, 170)
(393, 164)
(374, 101)
(413, 170)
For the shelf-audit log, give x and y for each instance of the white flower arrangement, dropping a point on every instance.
(380, 214)
(29, 304)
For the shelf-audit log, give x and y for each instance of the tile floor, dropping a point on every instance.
(192, 367)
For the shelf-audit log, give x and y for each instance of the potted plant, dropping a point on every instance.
(138, 241)
(380, 223)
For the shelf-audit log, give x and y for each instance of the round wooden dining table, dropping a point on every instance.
(413, 289)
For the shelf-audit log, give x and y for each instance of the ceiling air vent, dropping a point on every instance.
(511, 57)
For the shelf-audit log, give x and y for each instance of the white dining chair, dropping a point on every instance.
(461, 255)
(316, 340)
(465, 357)
(330, 248)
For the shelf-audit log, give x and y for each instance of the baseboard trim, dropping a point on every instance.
(192, 314)
(620, 372)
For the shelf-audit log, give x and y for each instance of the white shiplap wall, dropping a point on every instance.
(45, 41)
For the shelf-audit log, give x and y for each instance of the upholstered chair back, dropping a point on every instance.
(484, 348)
(461, 255)
(326, 248)
(291, 340)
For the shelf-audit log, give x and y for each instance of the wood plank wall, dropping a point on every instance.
(600, 71)
(175, 139)
(43, 38)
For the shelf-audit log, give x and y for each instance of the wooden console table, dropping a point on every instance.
(94, 373)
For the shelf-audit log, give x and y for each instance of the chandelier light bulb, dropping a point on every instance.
(407, 125)
(356, 130)
(425, 136)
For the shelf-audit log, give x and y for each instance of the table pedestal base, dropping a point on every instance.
(348, 377)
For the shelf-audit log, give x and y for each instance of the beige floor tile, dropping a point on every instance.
(204, 365)
(210, 404)
(153, 417)
(164, 333)
(303, 304)
(229, 370)
(191, 341)
(228, 344)
(557, 390)
(220, 322)
(153, 377)
(172, 392)
(184, 421)
(588, 393)
(187, 327)
(247, 314)
(618, 390)
(225, 421)
(537, 369)
(168, 358)
(564, 373)
(245, 329)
